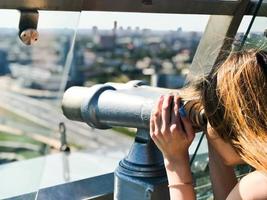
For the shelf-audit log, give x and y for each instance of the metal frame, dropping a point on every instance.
(216, 41)
(213, 7)
(95, 188)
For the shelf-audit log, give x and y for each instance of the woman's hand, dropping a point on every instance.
(173, 133)
(171, 130)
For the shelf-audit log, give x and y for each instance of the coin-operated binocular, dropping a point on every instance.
(141, 174)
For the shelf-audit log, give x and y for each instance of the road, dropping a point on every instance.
(49, 116)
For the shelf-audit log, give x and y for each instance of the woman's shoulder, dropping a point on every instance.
(251, 186)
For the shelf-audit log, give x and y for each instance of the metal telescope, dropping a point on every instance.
(141, 174)
(103, 106)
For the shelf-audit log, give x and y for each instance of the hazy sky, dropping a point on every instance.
(105, 20)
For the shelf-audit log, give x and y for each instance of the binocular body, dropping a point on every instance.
(103, 106)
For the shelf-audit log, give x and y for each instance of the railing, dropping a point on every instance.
(95, 188)
(209, 7)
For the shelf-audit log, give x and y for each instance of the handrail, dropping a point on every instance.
(209, 7)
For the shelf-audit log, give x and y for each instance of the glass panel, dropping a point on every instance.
(115, 47)
(158, 48)
(257, 37)
(29, 108)
(126, 46)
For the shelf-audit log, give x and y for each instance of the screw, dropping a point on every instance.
(147, 2)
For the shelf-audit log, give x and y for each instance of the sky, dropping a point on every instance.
(105, 20)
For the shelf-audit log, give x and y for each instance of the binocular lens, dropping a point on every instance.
(196, 114)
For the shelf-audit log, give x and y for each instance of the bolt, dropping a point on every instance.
(148, 193)
(147, 2)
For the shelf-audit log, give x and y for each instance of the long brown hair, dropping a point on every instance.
(234, 97)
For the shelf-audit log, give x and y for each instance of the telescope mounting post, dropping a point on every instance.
(141, 174)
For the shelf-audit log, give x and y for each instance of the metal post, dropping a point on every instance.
(141, 174)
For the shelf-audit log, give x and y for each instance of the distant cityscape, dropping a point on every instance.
(160, 57)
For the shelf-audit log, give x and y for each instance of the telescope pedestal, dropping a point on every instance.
(141, 174)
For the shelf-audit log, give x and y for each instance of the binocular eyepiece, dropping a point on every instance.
(103, 106)
(196, 114)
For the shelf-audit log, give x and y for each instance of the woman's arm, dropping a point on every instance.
(252, 186)
(222, 176)
(180, 179)
(172, 132)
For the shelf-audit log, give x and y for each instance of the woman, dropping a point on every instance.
(234, 97)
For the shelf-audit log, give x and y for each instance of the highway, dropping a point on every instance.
(49, 116)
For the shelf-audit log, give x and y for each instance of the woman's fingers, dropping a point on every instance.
(165, 112)
(155, 120)
(175, 117)
(157, 116)
(187, 124)
(156, 124)
(179, 119)
(169, 118)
